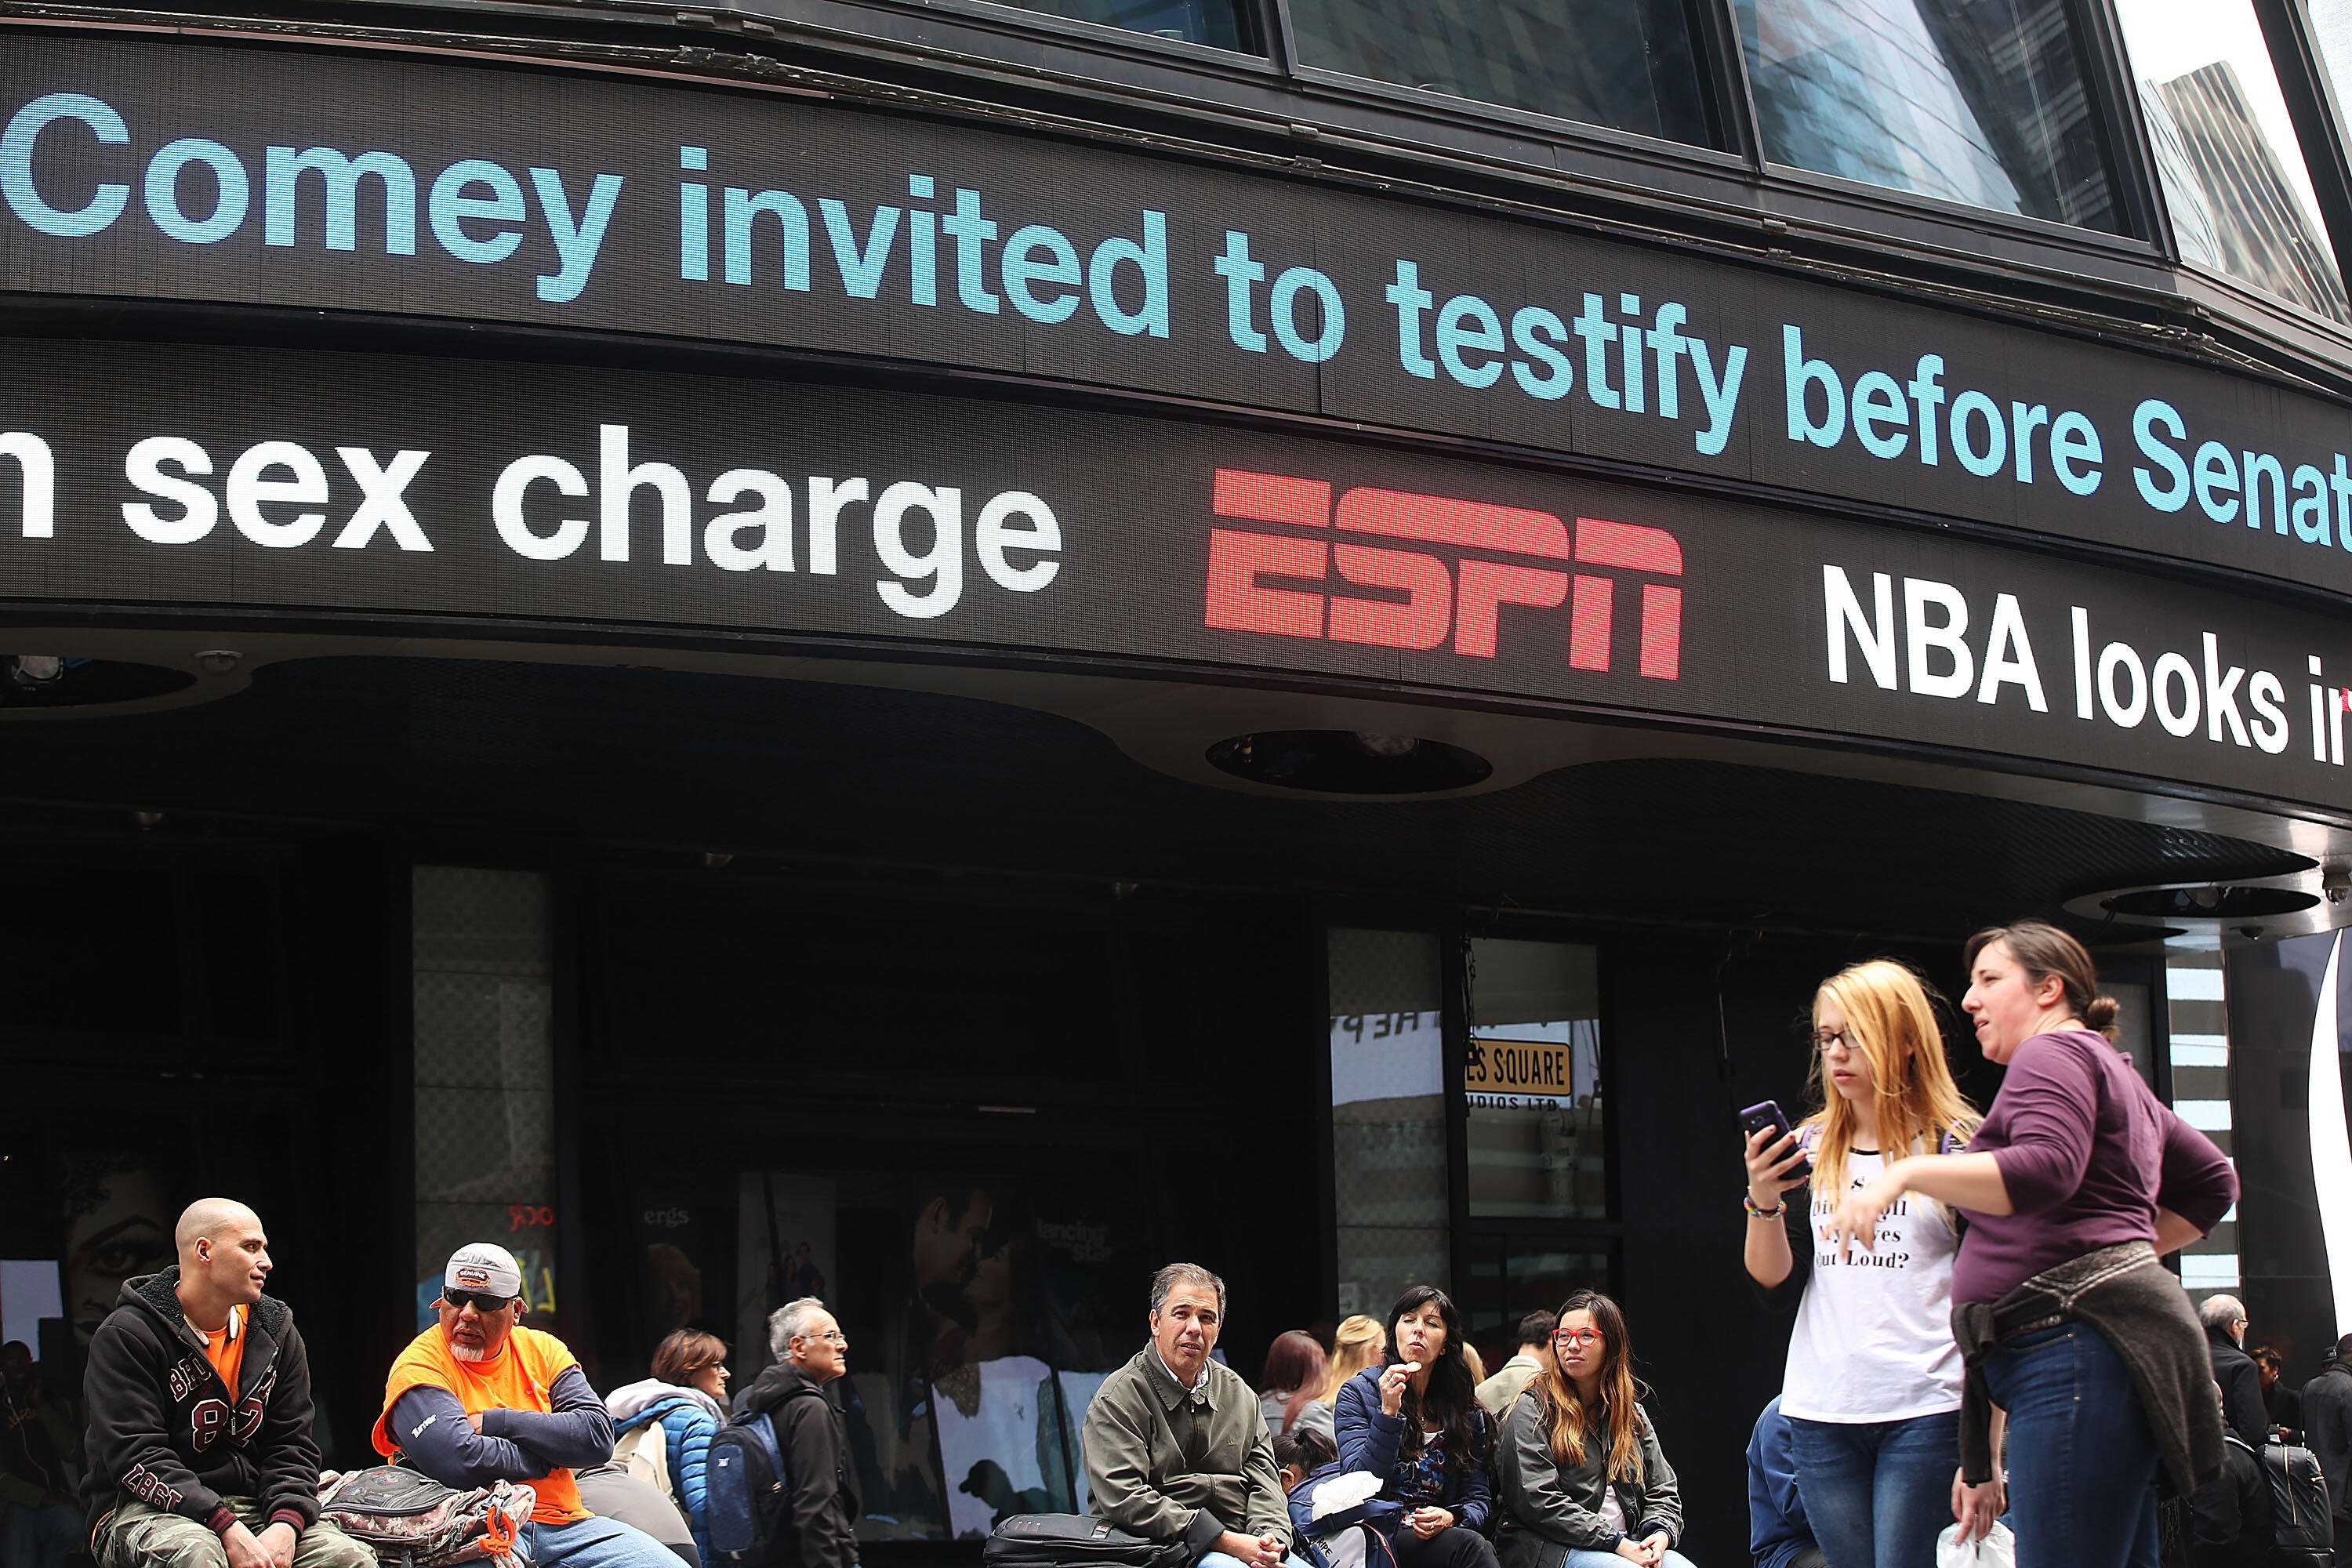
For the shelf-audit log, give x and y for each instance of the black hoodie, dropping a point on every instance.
(164, 1429)
(822, 1529)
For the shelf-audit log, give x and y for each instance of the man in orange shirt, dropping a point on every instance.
(478, 1398)
(199, 1396)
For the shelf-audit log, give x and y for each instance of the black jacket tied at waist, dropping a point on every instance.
(2140, 1310)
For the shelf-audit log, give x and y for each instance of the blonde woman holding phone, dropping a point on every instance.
(1873, 1389)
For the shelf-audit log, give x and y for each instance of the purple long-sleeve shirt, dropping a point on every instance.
(2088, 1154)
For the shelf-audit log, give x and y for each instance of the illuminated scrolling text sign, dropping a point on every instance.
(186, 172)
(477, 498)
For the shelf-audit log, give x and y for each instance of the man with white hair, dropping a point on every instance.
(2243, 1410)
(811, 1351)
(199, 1396)
(478, 1398)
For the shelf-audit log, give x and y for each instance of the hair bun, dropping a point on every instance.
(2101, 1015)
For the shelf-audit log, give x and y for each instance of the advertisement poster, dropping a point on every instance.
(784, 1251)
(982, 1317)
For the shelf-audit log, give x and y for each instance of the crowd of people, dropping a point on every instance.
(1983, 1335)
(1567, 1469)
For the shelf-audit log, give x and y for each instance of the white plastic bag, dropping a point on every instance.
(1997, 1550)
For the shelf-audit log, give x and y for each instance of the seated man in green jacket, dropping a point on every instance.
(1176, 1445)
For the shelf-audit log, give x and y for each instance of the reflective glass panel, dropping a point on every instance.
(1211, 22)
(1626, 64)
(1980, 101)
(483, 958)
(1512, 1276)
(1531, 1079)
(2232, 169)
(2331, 28)
(1387, 1115)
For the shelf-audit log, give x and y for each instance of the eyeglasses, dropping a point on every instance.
(831, 1337)
(481, 1301)
(1824, 1039)
(1575, 1336)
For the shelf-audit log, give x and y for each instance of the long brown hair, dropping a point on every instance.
(1890, 1019)
(1569, 1422)
(1355, 1346)
(1296, 1368)
(2042, 950)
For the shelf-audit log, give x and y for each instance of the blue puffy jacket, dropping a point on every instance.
(1368, 1439)
(687, 1431)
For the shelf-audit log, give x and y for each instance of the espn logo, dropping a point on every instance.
(1439, 602)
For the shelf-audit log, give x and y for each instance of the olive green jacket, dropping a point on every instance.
(1547, 1509)
(1170, 1464)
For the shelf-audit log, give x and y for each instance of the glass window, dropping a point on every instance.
(1532, 1080)
(1982, 101)
(1215, 23)
(928, 1114)
(1387, 1115)
(2331, 29)
(1626, 64)
(483, 945)
(1512, 1276)
(2233, 174)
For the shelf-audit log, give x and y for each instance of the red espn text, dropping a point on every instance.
(1436, 603)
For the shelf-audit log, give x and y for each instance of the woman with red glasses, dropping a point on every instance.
(1582, 1482)
(1871, 1390)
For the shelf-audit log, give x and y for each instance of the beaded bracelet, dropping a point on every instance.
(1775, 1212)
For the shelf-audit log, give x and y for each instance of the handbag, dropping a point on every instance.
(410, 1520)
(1076, 1540)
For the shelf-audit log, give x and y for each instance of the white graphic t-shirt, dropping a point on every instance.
(1874, 1340)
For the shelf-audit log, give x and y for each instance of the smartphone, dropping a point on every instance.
(1766, 1113)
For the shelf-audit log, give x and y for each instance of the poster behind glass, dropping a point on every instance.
(982, 1310)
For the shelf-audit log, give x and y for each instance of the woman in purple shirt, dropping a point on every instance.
(2078, 1181)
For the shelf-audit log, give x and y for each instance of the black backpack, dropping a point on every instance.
(1076, 1540)
(2302, 1533)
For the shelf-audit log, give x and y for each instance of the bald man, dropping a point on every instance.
(199, 1397)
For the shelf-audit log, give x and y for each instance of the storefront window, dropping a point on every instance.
(1980, 101)
(2234, 179)
(1387, 1115)
(1511, 1277)
(1212, 22)
(1625, 64)
(1537, 1149)
(972, 1128)
(481, 968)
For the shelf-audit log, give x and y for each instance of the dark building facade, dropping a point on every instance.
(931, 654)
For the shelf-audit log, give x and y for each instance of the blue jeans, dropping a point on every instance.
(1227, 1559)
(1877, 1491)
(2081, 1456)
(596, 1543)
(1579, 1559)
(35, 1537)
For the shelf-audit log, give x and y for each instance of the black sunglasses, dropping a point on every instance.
(481, 1302)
